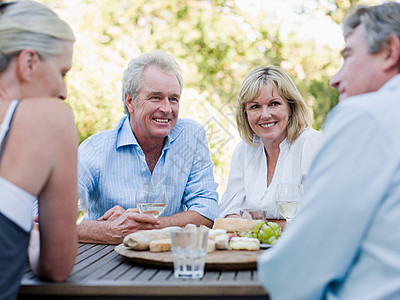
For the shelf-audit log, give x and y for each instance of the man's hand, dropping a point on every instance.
(131, 221)
(114, 225)
(114, 213)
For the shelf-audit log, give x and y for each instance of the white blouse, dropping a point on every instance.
(247, 183)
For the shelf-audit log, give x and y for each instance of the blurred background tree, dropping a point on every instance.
(216, 43)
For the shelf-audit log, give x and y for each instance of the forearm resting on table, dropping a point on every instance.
(98, 232)
(183, 218)
(107, 232)
(41, 266)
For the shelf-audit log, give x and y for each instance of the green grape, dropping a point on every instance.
(264, 240)
(246, 234)
(274, 226)
(257, 225)
(272, 240)
(268, 232)
(265, 235)
(271, 233)
(265, 232)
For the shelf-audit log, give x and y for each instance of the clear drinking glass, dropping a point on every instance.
(151, 199)
(189, 249)
(82, 205)
(287, 199)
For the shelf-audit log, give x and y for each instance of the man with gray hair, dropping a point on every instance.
(150, 146)
(345, 244)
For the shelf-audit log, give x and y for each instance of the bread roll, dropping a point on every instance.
(140, 240)
(212, 233)
(221, 241)
(162, 245)
(243, 243)
(233, 224)
(210, 246)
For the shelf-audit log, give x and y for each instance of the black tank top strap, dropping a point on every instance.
(6, 125)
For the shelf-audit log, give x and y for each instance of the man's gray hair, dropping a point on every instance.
(380, 21)
(132, 78)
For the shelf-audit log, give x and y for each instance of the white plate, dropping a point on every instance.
(265, 246)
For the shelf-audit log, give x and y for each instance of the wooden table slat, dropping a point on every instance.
(90, 258)
(211, 276)
(146, 275)
(97, 268)
(162, 275)
(88, 253)
(82, 247)
(120, 269)
(244, 276)
(133, 272)
(228, 276)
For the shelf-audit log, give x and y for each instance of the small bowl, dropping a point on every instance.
(253, 214)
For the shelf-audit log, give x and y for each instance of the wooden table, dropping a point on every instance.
(101, 273)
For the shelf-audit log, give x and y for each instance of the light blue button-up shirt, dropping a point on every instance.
(345, 242)
(112, 166)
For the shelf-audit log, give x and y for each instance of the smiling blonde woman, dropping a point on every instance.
(278, 145)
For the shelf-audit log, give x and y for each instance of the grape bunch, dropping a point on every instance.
(265, 232)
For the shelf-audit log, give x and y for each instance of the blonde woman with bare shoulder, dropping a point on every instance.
(38, 145)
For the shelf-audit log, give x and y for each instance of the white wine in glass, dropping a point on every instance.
(82, 205)
(151, 200)
(287, 200)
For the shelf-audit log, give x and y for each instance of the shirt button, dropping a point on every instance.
(144, 169)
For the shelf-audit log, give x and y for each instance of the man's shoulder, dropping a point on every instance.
(381, 102)
(377, 107)
(375, 114)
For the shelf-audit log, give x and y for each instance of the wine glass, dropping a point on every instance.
(287, 200)
(82, 205)
(151, 199)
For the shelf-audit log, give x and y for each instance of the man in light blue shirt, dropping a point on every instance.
(345, 242)
(149, 146)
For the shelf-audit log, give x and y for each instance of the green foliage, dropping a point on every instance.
(329, 96)
(338, 9)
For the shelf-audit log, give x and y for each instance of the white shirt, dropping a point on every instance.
(247, 183)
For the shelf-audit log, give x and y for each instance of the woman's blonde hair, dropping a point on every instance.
(28, 24)
(269, 78)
